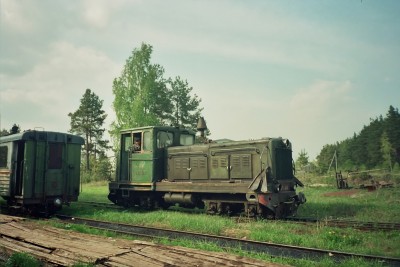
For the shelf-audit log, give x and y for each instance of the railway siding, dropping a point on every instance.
(64, 248)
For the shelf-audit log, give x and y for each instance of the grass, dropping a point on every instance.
(382, 205)
(379, 205)
(19, 259)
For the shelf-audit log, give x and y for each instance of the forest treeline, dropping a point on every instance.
(377, 145)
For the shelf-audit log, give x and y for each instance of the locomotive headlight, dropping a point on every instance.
(57, 202)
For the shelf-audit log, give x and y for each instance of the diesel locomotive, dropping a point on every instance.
(160, 166)
(40, 170)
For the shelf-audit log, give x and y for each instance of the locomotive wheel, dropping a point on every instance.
(251, 210)
(211, 207)
(267, 213)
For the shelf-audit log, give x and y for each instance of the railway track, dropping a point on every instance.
(272, 249)
(100, 204)
(365, 226)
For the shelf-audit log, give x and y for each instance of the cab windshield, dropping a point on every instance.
(186, 139)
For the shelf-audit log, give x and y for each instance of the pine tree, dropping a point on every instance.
(87, 121)
(386, 150)
(302, 160)
(393, 131)
(185, 111)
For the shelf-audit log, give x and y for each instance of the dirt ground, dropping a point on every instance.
(344, 192)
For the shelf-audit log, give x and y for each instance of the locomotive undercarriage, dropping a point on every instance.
(215, 204)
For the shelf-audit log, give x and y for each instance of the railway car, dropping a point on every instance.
(162, 166)
(40, 170)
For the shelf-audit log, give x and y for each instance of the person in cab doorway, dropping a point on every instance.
(137, 145)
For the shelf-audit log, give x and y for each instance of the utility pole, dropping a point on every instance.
(333, 158)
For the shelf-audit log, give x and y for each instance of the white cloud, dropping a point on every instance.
(245, 34)
(15, 16)
(320, 99)
(273, 70)
(97, 13)
(56, 85)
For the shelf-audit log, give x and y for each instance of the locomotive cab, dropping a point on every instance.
(143, 151)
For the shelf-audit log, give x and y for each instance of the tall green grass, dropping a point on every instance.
(379, 205)
(382, 205)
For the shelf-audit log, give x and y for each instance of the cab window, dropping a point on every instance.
(147, 141)
(127, 142)
(137, 142)
(164, 139)
(186, 139)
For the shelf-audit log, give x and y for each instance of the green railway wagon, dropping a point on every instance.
(40, 170)
(161, 166)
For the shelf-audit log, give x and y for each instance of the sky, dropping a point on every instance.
(314, 72)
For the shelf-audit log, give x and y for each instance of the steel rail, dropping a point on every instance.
(100, 204)
(366, 226)
(272, 249)
(370, 226)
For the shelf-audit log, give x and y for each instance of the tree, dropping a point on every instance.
(392, 124)
(14, 129)
(141, 95)
(386, 150)
(325, 157)
(377, 144)
(87, 121)
(185, 111)
(302, 160)
(4, 132)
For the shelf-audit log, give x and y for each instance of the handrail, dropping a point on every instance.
(249, 149)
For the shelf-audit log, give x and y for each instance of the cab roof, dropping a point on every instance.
(159, 128)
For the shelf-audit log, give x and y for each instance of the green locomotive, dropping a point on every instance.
(40, 170)
(162, 166)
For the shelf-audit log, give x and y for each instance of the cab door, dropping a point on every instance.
(142, 160)
(125, 155)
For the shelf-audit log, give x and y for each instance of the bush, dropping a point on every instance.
(19, 259)
(101, 170)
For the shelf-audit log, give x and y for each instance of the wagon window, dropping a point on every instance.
(3, 156)
(55, 155)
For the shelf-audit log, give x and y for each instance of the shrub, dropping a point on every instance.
(19, 259)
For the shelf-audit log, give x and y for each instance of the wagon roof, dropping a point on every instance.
(44, 136)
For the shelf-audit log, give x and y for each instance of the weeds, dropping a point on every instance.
(19, 259)
(322, 202)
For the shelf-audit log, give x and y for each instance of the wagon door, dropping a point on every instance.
(5, 169)
(73, 174)
(54, 175)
